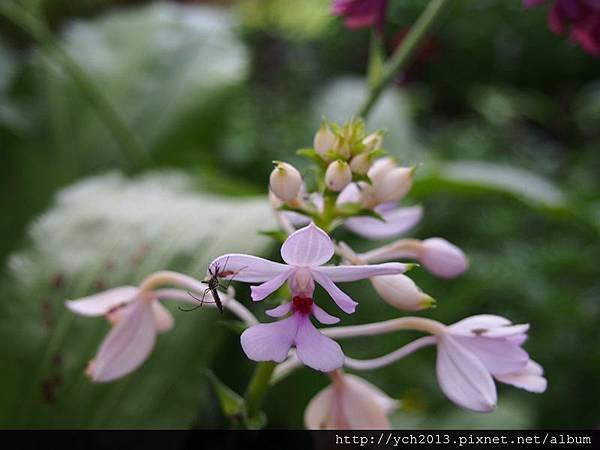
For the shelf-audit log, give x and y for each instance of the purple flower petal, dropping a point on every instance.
(128, 344)
(163, 320)
(339, 297)
(316, 350)
(309, 246)
(353, 273)
(268, 287)
(397, 221)
(279, 311)
(248, 268)
(500, 356)
(100, 304)
(530, 378)
(323, 316)
(270, 341)
(463, 378)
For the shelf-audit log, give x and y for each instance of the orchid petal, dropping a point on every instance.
(530, 378)
(317, 415)
(442, 258)
(316, 350)
(128, 344)
(479, 321)
(324, 317)
(353, 273)
(268, 287)
(270, 341)
(248, 268)
(350, 194)
(342, 299)
(396, 221)
(309, 246)
(361, 407)
(162, 317)
(463, 378)
(384, 401)
(279, 311)
(100, 304)
(500, 356)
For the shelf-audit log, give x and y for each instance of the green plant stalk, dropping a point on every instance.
(403, 53)
(257, 388)
(131, 146)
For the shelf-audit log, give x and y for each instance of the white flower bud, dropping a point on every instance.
(374, 141)
(401, 292)
(395, 184)
(324, 141)
(442, 258)
(342, 149)
(338, 175)
(361, 163)
(285, 181)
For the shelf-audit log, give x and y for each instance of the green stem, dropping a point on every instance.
(403, 53)
(131, 146)
(257, 389)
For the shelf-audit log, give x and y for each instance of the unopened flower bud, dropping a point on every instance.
(374, 141)
(361, 163)
(285, 181)
(342, 148)
(338, 175)
(442, 258)
(395, 184)
(324, 141)
(401, 292)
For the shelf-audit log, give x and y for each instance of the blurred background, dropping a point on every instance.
(137, 136)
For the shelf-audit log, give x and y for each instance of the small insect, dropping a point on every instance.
(213, 282)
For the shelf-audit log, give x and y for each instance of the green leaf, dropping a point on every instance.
(356, 209)
(105, 232)
(232, 404)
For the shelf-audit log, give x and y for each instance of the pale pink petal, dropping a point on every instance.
(267, 288)
(100, 304)
(248, 268)
(353, 273)
(162, 317)
(128, 344)
(317, 415)
(479, 322)
(442, 258)
(361, 405)
(270, 341)
(530, 378)
(397, 221)
(463, 377)
(309, 246)
(342, 299)
(279, 311)
(316, 350)
(377, 395)
(499, 356)
(350, 194)
(323, 316)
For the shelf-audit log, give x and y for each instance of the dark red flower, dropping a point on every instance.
(361, 13)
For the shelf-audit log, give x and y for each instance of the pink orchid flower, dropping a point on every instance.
(474, 351)
(137, 317)
(305, 252)
(361, 13)
(272, 341)
(349, 403)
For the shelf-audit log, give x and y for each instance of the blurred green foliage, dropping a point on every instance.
(502, 118)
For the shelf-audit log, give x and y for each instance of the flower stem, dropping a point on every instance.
(28, 23)
(257, 389)
(403, 53)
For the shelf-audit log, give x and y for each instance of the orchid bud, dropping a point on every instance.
(342, 148)
(401, 292)
(351, 403)
(374, 141)
(338, 175)
(442, 258)
(361, 163)
(395, 184)
(285, 181)
(324, 141)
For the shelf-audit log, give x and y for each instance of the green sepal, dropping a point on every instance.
(312, 154)
(356, 209)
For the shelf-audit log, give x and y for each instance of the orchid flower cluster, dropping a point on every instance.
(360, 188)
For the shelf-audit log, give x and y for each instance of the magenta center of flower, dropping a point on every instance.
(302, 304)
